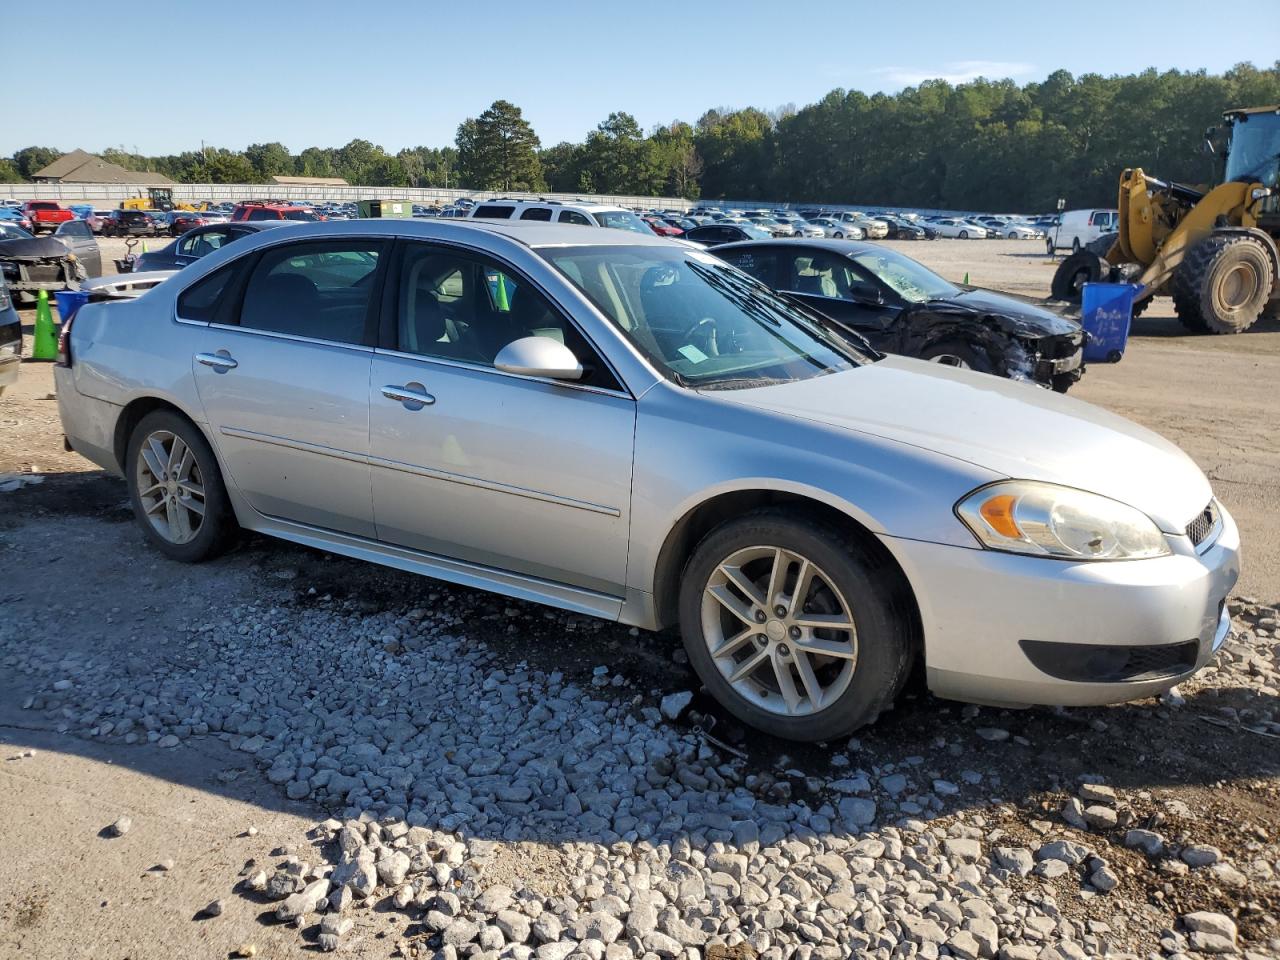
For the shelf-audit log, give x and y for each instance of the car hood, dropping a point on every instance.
(1024, 318)
(37, 248)
(1009, 428)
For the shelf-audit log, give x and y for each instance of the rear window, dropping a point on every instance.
(493, 211)
(622, 220)
(299, 215)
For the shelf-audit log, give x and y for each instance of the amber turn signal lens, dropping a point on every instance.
(998, 512)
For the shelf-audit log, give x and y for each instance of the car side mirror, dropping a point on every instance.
(866, 292)
(538, 357)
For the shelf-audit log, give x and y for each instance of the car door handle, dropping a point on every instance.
(219, 361)
(411, 393)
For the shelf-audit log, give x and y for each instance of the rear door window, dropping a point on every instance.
(321, 290)
(260, 214)
(760, 263)
(536, 213)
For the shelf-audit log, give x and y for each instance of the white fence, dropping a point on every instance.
(110, 194)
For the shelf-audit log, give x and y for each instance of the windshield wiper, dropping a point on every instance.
(739, 383)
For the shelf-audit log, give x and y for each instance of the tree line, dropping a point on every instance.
(983, 145)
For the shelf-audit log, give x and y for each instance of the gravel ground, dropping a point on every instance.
(313, 753)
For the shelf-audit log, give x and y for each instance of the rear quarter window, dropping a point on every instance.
(201, 302)
(493, 211)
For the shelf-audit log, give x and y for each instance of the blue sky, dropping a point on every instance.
(402, 73)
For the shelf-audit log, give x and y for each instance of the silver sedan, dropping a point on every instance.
(627, 427)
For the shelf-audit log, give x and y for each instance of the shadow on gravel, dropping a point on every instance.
(94, 493)
(1169, 327)
(980, 756)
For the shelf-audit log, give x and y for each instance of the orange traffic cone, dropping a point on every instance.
(45, 344)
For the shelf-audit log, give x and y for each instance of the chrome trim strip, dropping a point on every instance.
(272, 334)
(482, 368)
(506, 582)
(494, 486)
(302, 445)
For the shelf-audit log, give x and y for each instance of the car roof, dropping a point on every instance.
(566, 204)
(528, 233)
(839, 247)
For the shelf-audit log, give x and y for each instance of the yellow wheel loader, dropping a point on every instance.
(1214, 251)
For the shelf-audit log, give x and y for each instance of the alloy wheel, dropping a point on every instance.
(170, 487)
(779, 631)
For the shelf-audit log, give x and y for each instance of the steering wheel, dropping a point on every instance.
(704, 329)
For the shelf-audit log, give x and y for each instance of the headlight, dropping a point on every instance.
(1046, 520)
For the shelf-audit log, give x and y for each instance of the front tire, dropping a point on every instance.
(958, 353)
(1225, 281)
(176, 488)
(964, 234)
(794, 627)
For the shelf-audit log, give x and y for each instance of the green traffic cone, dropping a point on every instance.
(45, 345)
(966, 278)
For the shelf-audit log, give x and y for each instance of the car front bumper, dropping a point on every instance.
(1014, 630)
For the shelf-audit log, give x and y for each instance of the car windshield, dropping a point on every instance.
(10, 232)
(699, 321)
(1255, 149)
(622, 220)
(299, 215)
(910, 280)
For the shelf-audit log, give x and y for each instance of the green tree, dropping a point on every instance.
(30, 159)
(9, 172)
(269, 160)
(498, 150)
(618, 158)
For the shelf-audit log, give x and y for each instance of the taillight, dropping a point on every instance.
(64, 342)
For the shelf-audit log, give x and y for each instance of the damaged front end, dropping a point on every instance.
(1022, 340)
(29, 266)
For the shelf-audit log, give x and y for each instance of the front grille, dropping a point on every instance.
(1203, 525)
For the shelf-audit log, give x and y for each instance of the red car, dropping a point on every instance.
(272, 210)
(180, 221)
(45, 215)
(662, 228)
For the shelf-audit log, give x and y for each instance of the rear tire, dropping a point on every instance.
(180, 502)
(1227, 279)
(870, 657)
(1075, 244)
(1102, 246)
(1074, 272)
(1048, 248)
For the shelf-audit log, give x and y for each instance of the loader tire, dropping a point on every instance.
(1075, 271)
(1102, 246)
(1226, 280)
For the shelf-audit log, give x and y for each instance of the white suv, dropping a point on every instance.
(559, 211)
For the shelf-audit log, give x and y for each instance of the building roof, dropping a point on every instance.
(310, 181)
(81, 167)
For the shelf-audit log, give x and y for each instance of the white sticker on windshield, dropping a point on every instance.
(692, 353)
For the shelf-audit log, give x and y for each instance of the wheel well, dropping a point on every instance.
(702, 519)
(131, 416)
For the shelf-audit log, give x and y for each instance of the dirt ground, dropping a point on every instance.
(76, 566)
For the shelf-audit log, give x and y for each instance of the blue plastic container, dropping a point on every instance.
(1107, 310)
(68, 302)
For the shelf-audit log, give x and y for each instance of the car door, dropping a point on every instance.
(282, 369)
(506, 472)
(829, 283)
(78, 236)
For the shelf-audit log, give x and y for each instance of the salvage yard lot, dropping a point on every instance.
(544, 774)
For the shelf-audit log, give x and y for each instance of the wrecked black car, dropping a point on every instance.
(31, 264)
(900, 306)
